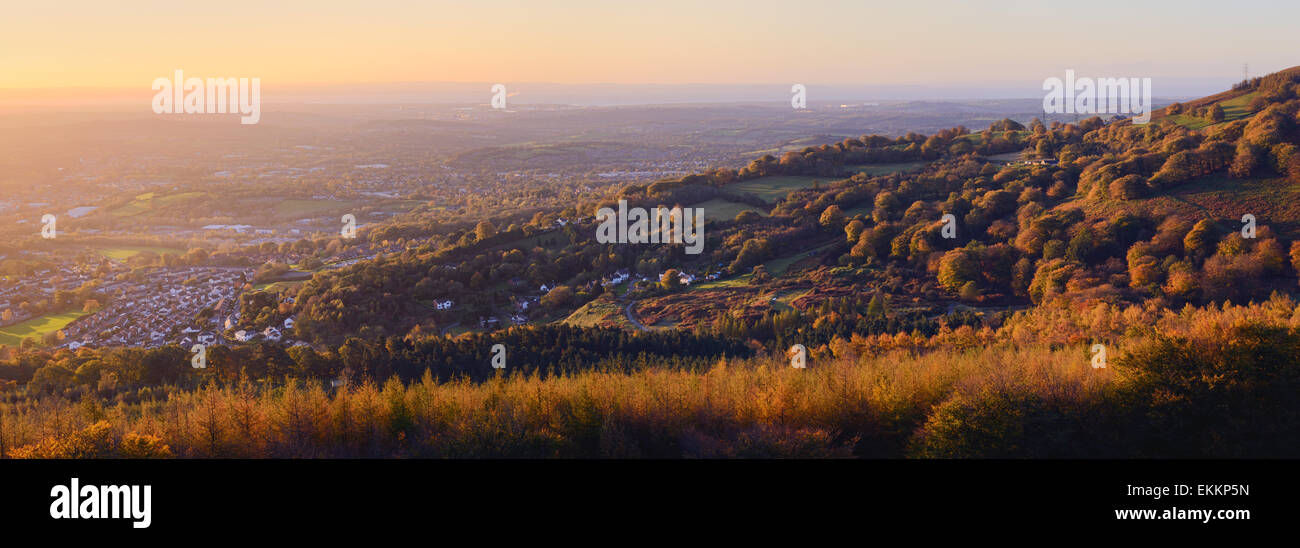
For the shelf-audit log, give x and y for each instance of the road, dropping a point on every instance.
(627, 311)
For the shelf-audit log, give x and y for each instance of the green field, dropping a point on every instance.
(883, 169)
(36, 327)
(774, 267)
(122, 253)
(600, 312)
(278, 286)
(1274, 201)
(527, 243)
(734, 281)
(718, 209)
(1008, 157)
(777, 267)
(1233, 109)
(776, 187)
(781, 302)
(149, 200)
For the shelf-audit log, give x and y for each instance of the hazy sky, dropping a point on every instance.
(127, 43)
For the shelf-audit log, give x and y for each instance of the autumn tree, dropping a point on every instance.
(1295, 256)
(956, 268)
(853, 230)
(558, 296)
(1216, 113)
(1199, 238)
(485, 230)
(832, 218)
(671, 279)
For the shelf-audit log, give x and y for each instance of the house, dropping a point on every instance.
(271, 334)
(443, 305)
(288, 324)
(244, 336)
(619, 277)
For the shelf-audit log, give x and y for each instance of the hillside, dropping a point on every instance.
(869, 251)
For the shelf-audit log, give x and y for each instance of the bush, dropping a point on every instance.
(1014, 423)
(1217, 394)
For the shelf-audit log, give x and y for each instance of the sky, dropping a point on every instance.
(127, 44)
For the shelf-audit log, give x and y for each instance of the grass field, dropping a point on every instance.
(782, 301)
(597, 313)
(36, 327)
(1233, 109)
(122, 253)
(777, 267)
(775, 187)
(543, 240)
(718, 209)
(149, 200)
(732, 282)
(1008, 157)
(278, 286)
(883, 169)
(774, 267)
(1274, 202)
